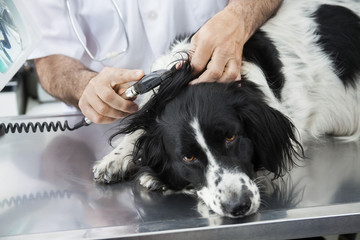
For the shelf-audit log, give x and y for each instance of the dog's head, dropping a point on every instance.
(214, 137)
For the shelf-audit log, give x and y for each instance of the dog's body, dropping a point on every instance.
(301, 71)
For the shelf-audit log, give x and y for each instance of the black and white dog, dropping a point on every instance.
(300, 80)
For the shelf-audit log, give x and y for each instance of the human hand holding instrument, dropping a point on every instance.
(145, 84)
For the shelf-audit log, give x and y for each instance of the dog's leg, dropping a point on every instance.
(118, 164)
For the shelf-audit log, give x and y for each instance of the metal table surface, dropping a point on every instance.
(47, 191)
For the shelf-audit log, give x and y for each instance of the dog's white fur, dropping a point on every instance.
(307, 99)
(315, 82)
(227, 187)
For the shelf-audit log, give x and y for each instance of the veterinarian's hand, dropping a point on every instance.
(101, 101)
(217, 47)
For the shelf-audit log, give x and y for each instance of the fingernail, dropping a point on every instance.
(139, 73)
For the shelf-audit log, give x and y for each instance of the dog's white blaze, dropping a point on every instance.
(201, 140)
(223, 185)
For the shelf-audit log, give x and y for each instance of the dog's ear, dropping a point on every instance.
(177, 80)
(149, 152)
(272, 133)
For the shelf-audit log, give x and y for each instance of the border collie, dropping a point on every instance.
(300, 81)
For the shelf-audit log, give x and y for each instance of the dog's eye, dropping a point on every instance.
(188, 158)
(229, 139)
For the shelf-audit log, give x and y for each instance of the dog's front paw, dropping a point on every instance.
(152, 183)
(113, 168)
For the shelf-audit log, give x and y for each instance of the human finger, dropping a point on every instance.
(87, 110)
(95, 117)
(214, 69)
(231, 72)
(123, 77)
(211, 74)
(112, 105)
(119, 80)
(101, 100)
(93, 107)
(200, 54)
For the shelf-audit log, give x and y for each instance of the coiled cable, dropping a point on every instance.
(34, 127)
(40, 126)
(46, 195)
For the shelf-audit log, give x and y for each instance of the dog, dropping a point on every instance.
(300, 81)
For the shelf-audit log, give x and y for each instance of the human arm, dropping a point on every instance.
(217, 46)
(97, 95)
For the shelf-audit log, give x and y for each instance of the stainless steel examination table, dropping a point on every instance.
(47, 192)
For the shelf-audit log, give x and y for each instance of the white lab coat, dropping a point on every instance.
(152, 25)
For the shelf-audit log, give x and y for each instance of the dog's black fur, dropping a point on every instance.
(267, 135)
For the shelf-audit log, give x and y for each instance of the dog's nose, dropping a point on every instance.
(238, 208)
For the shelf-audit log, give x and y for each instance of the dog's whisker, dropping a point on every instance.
(264, 204)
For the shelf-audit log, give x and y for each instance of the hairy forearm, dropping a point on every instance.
(63, 77)
(253, 12)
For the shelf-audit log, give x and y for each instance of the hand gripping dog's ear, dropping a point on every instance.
(272, 133)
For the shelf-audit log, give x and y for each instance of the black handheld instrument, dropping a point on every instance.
(145, 84)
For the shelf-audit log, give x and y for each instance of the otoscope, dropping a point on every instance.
(145, 84)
